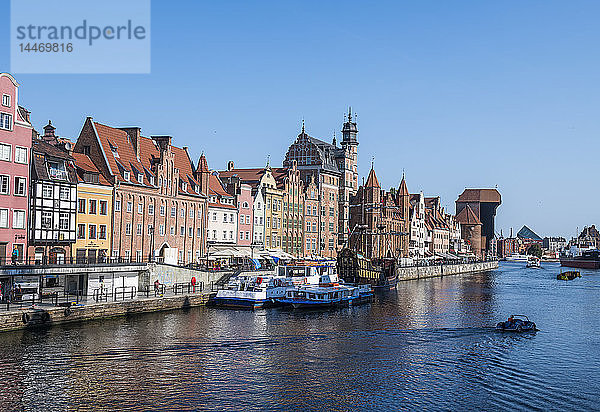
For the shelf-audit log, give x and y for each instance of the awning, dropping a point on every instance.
(280, 254)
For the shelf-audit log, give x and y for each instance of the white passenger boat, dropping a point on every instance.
(515, 257)
(251, 292)
(533, 262)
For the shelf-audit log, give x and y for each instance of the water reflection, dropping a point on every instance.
(429, 344)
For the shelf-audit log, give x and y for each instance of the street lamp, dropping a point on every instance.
(151, 230)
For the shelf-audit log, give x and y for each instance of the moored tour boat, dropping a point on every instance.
(251, 292)
(589, 259)
(533, 262)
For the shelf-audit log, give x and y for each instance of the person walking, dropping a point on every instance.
(156, 286)
(193, 284)
(15, 255)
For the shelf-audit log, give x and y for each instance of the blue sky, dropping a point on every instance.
(458, 94)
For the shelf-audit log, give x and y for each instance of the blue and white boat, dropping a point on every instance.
(251, 292)
(328, 293)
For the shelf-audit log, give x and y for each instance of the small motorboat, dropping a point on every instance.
(533, 262)
(516, 323)
(568, 275)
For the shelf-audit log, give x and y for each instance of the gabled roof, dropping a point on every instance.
(249, 176)
(121, 155)
(84, 164)
(372, 180)
(526, 233)
(480, 195)
(467, 217)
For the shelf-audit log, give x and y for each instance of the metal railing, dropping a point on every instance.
(124, 291)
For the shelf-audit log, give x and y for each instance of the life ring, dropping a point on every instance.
(258, 280)
(67, 311)
(25, 317)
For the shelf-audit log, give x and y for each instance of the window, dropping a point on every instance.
(92, 207)
(224, 235)
(20, 155)
(330, 244)
(102, 234)
(126, 175)
(173, 211)
(5, 152)
(47, 192)
(331, 226)
(190, 231)
(86, 150)
(92, 231)
(162, 210)
(182, 213)
(308, 226)
(128, 229)
(181, 230)
(247, 235)
(260, 220)
(151, 209)
(129, 207)
(117, 205)
(56, 170)
(150, 229)
(214, 216)
(161, 230)
(172, 230)
(152, 180)
(139, 229)
(20, 186)
(63, 221)
(140, 177)
(224, 217)
(331, 212)
(103, 207)
(231, 234)
(245, 205)
(198, 232)
(4, 184)
(64, 193)
(214, 234)
(6, 100)
(81, 206)
(3, 217)
(231, 217)
(140, 208)
(5, 121)
(46, 220)
(18, 219)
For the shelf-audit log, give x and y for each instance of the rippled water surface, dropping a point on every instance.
(428, 345)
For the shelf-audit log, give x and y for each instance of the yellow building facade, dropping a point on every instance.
(94, 213)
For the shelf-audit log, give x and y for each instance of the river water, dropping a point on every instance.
(428, 345)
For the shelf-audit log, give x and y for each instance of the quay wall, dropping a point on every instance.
(14, 320)
(421, 272)
(169, 275)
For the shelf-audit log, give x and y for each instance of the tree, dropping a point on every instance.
(534, 250)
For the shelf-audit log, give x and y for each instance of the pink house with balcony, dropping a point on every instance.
(245, 204)
(15, 148)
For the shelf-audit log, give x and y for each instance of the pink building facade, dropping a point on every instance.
(245, 207)
(15, 148)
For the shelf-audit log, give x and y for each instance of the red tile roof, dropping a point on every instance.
(249, 176)
(84, 163)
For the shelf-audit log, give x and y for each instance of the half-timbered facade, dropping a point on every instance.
(53, 199)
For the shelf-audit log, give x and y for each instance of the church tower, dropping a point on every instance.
(348, 165)
(350, 146)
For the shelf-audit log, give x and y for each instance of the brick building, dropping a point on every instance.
(160, 200)
(334, 169)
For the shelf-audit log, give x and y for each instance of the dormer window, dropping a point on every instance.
(114, 149)
(140, 178)
(184, 186)
(126, 176)
(56, 170)
(5, 100)
(152, 180)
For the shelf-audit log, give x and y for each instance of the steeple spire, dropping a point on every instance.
(302, 125)
(334, 140)
(349, 113)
